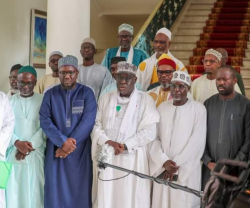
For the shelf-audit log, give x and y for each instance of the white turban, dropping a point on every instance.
(89, 40)
(165, 31)
(180, 76)
(215, 53)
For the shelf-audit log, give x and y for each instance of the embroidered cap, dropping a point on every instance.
(180, 76)
(126, 27)
(68, 61)
(125, 67)
(215, 53)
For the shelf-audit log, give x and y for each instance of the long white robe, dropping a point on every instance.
(7, 122)
(146, 68)
(203, 88)
(181, 138)
(132, 191)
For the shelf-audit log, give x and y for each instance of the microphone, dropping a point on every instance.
(104, 155)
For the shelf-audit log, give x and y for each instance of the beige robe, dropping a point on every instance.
(203, 88)
(45, 83)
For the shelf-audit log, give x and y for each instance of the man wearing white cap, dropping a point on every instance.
(49, 80)
(179, 146)
(91, 74)
(132, 55)
(165, 69)
(204, 87)
(126, 120)
(147, 73)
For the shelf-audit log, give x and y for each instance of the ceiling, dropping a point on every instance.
(124, 7)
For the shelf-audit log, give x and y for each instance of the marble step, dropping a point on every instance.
(201, 6)
(202, 1)
(247, 53)
(246, 80)
(181, 53)
(183, 38)
(246, 62)
(247, 90)
(245, 71)
(184, 60)
(198, 12)
(182, 45)
(196, 18)
(188, 31)
(192, 24)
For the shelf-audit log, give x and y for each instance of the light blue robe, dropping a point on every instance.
(25, 188)
(139, 56)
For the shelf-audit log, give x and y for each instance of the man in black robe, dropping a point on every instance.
(228, 123)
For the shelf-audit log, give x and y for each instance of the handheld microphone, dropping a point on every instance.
(104, 155)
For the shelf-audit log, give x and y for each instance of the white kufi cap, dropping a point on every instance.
(165, 31)
(180, 76)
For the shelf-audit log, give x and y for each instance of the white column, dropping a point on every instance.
(68, 23)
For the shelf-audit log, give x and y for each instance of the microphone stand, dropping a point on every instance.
(103, 165)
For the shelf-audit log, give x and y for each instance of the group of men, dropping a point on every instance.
(52, 128)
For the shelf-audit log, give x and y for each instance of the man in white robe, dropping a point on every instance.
(179, 146)
(126, 120)
(92, 74)
(7, 122)
(165, 69)
(204, 87)
(147, 70)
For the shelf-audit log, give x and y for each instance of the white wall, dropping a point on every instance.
(15, 35)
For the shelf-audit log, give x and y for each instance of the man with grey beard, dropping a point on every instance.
(147, 73)
(165, 69)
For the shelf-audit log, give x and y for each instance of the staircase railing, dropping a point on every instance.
(164, 15)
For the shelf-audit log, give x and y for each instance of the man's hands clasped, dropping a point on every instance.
(119, 148)
(68, 147)
(170, 169)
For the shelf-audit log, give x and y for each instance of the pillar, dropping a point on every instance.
(68, 23)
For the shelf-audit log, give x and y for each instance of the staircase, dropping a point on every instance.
(199, 29)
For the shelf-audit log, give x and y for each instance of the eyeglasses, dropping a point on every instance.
(53, 61)
(29, 84)
(180, 87)
(70, 73)
(13, 77)
(167, 72)
(160, 42)
(205, 61)
(126, 78)
(124, 36)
